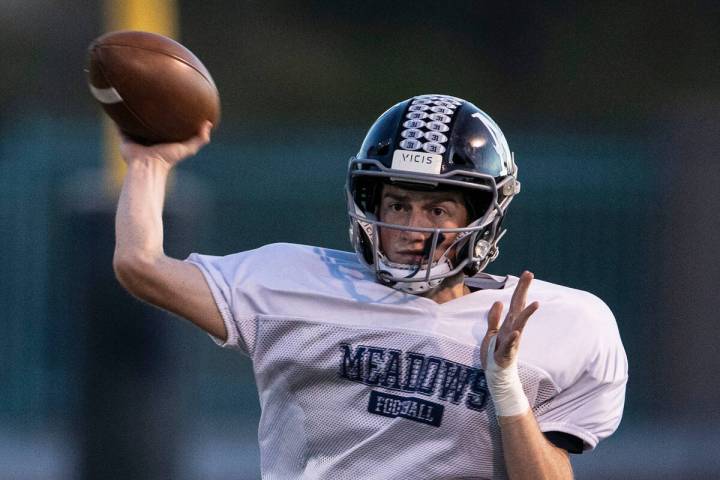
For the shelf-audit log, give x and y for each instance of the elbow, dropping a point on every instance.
(133, 272)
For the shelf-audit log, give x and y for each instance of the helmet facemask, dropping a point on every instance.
(474, 245)
(473, 159)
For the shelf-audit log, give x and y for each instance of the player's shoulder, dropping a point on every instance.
(579, 324)
(293, 253)
(288, 267)
(279, 261)
(574, 304)
(577, 315)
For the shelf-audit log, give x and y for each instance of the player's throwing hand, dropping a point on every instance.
(169, 154)
(499, 349)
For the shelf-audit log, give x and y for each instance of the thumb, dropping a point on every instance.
(194, 144)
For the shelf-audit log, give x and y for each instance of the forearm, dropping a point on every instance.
(528, 454)
(138, 223)
(139, 262)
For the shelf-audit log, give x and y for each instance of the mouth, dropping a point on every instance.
(411, 256)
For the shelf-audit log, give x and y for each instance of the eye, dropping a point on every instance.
(396, 207)
(438, 212)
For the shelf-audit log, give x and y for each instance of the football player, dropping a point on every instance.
(403, 359)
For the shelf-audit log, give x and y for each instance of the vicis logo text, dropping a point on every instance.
(417, 158)
(416, 161)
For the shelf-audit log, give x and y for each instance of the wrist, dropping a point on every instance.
(148, 163)
(505, 421)
(505, 386)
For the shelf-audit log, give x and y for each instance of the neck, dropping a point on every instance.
(450, 289)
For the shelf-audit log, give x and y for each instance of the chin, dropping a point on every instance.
(409, 260)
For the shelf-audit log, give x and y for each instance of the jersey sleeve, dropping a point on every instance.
(231, 282)
(591, 406)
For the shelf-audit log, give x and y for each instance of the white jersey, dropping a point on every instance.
(358, 380)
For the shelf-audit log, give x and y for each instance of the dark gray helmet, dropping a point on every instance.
(432, 142)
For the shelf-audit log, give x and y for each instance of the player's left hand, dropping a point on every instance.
(508, 334)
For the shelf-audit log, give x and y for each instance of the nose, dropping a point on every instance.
(415, 218)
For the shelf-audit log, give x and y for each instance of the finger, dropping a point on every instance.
(522, 318)
(205, 131)
(519, 297)
(494, 316)
(509, 339)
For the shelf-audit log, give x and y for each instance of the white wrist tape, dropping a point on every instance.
(504, 385)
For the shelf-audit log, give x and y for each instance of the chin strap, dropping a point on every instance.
(426, 253)
(388, 270)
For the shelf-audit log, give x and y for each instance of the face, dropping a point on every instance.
(411, 208)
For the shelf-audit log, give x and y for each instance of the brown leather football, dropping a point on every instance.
(154, 89)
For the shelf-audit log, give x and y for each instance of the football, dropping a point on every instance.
(154, 89)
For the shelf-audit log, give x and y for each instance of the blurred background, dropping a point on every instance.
(612, 109)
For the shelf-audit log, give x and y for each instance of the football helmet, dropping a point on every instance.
(432, 142)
